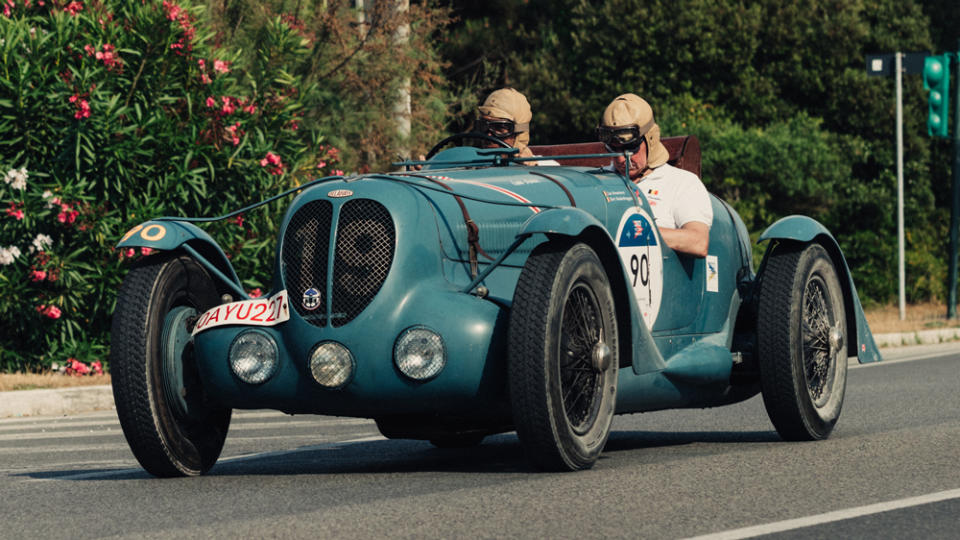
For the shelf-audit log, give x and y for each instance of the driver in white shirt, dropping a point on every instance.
(680, 202)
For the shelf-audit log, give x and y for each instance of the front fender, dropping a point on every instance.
(568, 221)
(644, 356)
(166, 235)
(805, 229)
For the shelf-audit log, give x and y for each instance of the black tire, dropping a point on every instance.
(563, 308)
(802, 342)
(166, 417)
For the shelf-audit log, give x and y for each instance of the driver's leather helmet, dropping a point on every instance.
(632, 110)
(508, 104)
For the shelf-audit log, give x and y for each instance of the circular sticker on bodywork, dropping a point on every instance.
(640, 252)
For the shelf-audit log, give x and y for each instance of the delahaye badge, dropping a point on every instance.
(338, 193)
(311, 299)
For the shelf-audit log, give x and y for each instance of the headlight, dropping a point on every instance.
(331, 364)
(419, 353)
(254, 356)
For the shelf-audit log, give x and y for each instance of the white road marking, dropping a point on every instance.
(838, 515)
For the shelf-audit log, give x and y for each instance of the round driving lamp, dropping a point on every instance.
(331, 364)
(254, 356)
(420, 353)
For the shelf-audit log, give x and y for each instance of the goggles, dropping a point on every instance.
(623, 138)
(498, 128)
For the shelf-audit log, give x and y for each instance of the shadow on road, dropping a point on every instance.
(499, 454)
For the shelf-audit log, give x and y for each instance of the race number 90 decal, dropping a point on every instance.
(640, 251)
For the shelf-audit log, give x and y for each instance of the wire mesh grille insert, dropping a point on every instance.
(364, 253)
(305, 251)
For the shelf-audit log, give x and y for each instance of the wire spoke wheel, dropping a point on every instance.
(563, 357)
(580, 383)
(801, 341)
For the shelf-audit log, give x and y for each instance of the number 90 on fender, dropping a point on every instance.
(255, 312)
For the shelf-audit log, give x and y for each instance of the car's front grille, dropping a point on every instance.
(305, 247)
(365, 239)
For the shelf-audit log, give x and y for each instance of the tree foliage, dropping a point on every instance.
(777, 91)
(367, 63)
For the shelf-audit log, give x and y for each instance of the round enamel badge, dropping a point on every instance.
(642, 257)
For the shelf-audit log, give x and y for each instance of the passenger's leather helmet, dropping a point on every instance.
(509, 104)
(632, 110)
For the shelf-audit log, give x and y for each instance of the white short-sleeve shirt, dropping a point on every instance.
(676, 197)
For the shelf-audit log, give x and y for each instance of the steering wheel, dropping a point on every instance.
(456, 137)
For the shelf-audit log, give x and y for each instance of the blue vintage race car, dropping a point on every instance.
(478, 295)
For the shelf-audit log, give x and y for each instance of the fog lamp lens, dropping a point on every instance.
(254, 356)
(420, 353)
(331, 364)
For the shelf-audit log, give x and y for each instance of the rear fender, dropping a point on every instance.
(171, 235)
(804, 229)
(637, 347)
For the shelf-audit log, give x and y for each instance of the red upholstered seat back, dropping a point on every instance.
(684, 153)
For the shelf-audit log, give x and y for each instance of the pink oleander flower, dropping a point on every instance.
(336, 172)
(73, 8)
(273, 163)
(90, 50)
(250, 109)
(256, 293)
(15, 211)
(173, 10)
(235, 132)
(76, 367)
(205, 79)
(146, 251)
(322, 164)
(202, 63)
(109, 56)
(334, 153)
(68, 216)
(52, 312)
(97, 367)
(220, 66)
(38, 275)
(238, 220)
(83, 107)
(229, 105)
(211, 102)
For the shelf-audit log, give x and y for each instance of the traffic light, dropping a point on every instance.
(936, 79)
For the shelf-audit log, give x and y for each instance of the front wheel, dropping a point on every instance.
(167, 419)
(562, 357)
(802, 342)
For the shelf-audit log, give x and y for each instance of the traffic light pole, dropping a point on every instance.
(955, 204)
(901, 296)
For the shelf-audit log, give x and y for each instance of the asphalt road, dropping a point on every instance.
(890, 470)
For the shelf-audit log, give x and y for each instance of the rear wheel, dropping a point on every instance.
(169, 423)
(802, 342)
(562, 356)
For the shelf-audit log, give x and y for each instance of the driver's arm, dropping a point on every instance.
(692, 238)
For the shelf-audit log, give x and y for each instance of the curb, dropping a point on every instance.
(921, 337)
(56, 402)
(67, 401)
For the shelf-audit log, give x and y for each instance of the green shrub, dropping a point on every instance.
(115, 112)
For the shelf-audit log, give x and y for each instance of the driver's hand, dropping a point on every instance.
(421, 158)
